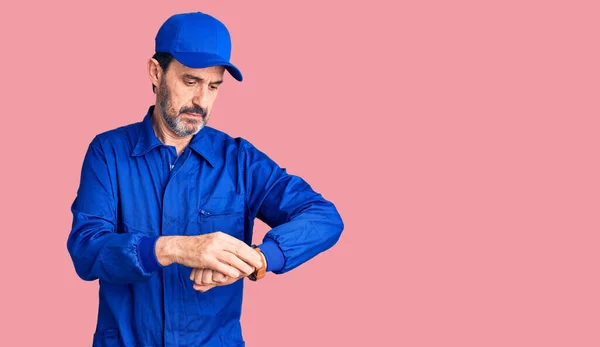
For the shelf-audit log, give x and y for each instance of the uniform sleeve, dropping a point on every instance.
(97, 250)
(303, 223)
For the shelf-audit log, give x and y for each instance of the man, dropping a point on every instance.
(165, 208)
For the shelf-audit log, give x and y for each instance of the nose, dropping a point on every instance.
(201, 97)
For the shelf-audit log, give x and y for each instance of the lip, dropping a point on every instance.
(195, 115)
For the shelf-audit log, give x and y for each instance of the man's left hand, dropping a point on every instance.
(206, 279)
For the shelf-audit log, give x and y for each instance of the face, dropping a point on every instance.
(185, 96)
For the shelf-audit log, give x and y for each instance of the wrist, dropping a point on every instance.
(273, 255)
(168, 250)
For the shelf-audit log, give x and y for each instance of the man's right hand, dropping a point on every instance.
(217, 251)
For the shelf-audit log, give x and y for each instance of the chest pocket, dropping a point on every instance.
(222, 213)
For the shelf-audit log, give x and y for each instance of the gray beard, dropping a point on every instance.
(176, 124)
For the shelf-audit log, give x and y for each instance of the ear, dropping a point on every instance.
(154, 72)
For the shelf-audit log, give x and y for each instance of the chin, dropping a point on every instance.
(196, 129)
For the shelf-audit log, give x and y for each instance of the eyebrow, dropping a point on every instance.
(199, 79)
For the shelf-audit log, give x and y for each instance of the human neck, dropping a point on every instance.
(166, 135)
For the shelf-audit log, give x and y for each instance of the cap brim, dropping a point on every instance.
(202, 60)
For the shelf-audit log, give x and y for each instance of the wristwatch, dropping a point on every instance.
(261, 271)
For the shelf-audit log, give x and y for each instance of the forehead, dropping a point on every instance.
(208, 73)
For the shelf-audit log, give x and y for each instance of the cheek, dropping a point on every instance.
(180, 98)
(212, 98)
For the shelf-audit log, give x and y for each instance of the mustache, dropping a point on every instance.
(193, 109)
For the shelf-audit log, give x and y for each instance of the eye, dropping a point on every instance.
(190, 83)
(214, 87)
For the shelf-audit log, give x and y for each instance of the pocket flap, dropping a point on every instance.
(222, 205)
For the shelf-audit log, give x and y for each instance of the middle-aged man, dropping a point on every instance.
(165, 208)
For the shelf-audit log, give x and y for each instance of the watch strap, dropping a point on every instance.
(261, 271)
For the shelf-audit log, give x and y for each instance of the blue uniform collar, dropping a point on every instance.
(147, 140)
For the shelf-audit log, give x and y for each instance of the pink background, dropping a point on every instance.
(459, 140)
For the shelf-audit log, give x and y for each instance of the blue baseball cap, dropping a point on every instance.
(197, 40)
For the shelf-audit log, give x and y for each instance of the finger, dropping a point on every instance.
(193, 274)
(219, 277)
(198, 276)
(221, 266)
(207, 276)
(242, 251)
(203, 288)
(237, 263)
(225, 269)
